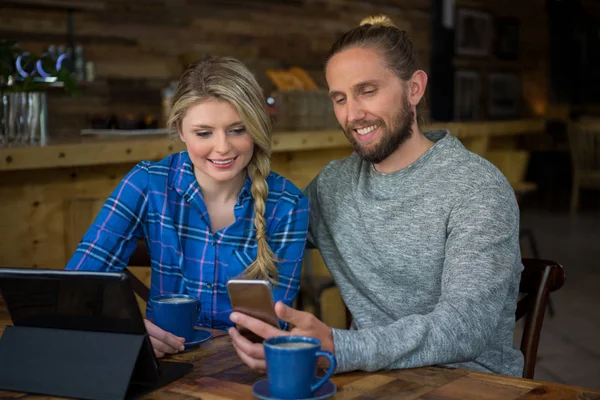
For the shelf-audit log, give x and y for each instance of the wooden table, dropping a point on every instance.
(219, 374)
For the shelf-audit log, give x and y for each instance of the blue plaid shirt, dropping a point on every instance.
(162, 202)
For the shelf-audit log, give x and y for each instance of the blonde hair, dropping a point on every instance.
(380, 33)
(226, 78)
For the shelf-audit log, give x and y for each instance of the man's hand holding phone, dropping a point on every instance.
(252, 351)
(253, 298)
(305, 324)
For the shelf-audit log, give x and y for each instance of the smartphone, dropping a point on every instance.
(253, 298)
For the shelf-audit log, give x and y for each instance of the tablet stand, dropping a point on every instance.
(82, 364)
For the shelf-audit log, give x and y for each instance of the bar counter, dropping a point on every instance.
(49, 195)
(112, 149)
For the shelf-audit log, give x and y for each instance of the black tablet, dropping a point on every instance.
(99, 302)
(80, 300)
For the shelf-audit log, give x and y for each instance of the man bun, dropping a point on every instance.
(378, 20)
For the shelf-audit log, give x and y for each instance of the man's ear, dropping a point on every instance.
(416, 87)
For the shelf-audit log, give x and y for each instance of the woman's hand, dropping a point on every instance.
(163, 342)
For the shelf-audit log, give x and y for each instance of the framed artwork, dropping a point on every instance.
(474, 31)
(506, 42)
(467, 95)
(504, 95)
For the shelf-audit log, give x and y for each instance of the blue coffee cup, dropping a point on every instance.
(292, 366)
(175, 313)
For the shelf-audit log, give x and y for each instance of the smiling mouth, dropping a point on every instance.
(225, 162)
(366, 130)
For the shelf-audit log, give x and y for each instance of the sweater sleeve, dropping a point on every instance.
(482, 263)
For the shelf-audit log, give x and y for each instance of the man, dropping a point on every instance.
(420, 235)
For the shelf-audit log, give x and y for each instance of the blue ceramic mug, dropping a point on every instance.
(175, 313)
(292, 366)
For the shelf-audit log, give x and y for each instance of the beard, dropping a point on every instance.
(392, 138)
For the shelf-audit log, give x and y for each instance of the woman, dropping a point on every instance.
(211, 213)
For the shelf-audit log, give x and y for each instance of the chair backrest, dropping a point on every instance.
(538, 279)
(307, 266)
(584, 141)
(512, 163)
(139, 258)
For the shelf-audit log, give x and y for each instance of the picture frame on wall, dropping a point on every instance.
(474, 33)
(467, 95)
(506, 38)
(503, 95)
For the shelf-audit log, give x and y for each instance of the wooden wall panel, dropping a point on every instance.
(38, 219)
(155, 40)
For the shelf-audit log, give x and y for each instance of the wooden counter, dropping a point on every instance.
(50, 195)
(114, 149)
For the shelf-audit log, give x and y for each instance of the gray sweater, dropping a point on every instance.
(427, 260)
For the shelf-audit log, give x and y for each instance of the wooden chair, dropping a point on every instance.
(538, 279)
(513, 164)
(312, 287)
(584, 141)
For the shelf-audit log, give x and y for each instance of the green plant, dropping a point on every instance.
(11, 81)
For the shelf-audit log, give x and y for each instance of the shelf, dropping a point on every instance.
(491, 64)
(77, 5)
